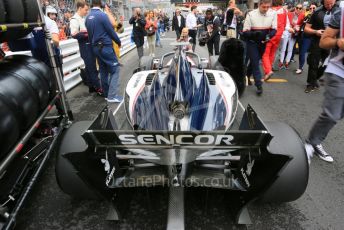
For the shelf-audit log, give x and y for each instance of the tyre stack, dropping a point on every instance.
(17, 11)
(25, 91)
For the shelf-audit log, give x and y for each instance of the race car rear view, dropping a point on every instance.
(182, 125)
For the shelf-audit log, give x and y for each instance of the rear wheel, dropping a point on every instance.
(146, 63)
(31, 10)
(66, 174)
(14, 11)
(292, 179)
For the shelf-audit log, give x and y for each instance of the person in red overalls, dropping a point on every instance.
(272, 45)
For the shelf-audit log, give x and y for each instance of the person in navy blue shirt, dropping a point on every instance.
(100, 35)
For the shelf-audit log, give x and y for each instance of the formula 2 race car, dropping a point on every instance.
(179, 126)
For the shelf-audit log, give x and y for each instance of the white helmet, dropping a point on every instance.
(50, 10)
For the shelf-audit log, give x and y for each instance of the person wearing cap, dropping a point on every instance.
(259, 27)
(178, 23)
(79, 32)
(50, 21)
(100, 35)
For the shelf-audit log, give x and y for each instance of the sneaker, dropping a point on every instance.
(280, 65)
(100, 92)
(309, 151)
(292, 61)
(116, 99)
(259, 90)
(268, 76)
(298, 71)
(321, 153)
(286, 65)
(309, 89)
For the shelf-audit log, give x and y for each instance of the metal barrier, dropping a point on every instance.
(125, 37)
(72, 61)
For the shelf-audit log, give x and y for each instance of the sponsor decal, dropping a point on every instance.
(173, 139)
(110, 176)
(245, 177)
(249, 167)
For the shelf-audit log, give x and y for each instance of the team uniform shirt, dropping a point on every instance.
(99, 28)
(281, 24)
(191, 21)
(335, 61)
(256, 21)
(77, 24)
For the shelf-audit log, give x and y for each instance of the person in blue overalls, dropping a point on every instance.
(79, 32)
(101, 34)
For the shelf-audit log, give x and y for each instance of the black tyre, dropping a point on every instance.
(36, 73)
(146, 63)
(9, 127)
(2, 12)
(40, 87)
(66, 174)
(31, 10)
(42, 70)
(292, 180)
(14, 11)
(20, 95)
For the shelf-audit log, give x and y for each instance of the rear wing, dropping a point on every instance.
(251, 134)
(129, 139)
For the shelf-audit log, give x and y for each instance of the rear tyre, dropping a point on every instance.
(31, 10)
(292, 180)
(2, 12)
(146, 63)
(66, 175)
(14, 11)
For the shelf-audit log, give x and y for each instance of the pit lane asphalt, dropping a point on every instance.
(321, 206)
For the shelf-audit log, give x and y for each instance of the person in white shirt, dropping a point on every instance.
(191, 24)
(51, 15)
(78, 31)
